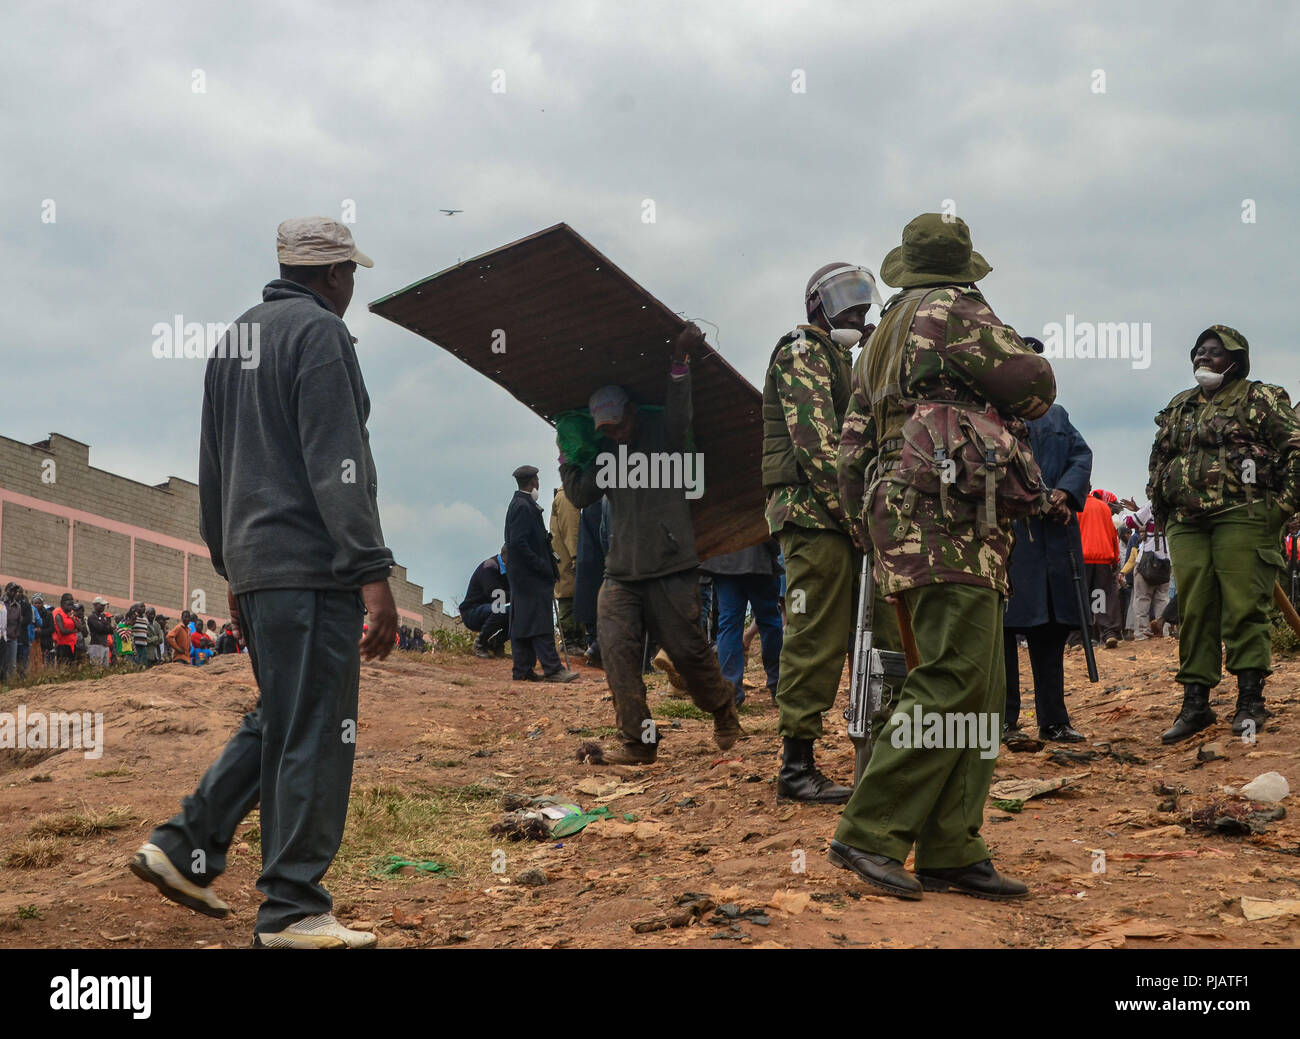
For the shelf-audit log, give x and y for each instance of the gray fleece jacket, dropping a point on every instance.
(287, 485)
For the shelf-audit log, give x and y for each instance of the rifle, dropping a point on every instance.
(1076, 575)
(875, 671)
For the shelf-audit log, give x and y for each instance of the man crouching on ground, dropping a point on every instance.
(651, 580)
(287, 504)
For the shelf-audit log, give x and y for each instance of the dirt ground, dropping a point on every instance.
(444, 736)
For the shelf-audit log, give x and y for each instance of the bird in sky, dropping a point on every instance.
(452, 212)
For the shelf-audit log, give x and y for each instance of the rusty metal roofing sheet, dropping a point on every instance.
(573, 322)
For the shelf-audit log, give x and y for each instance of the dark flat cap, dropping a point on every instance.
(524, 472)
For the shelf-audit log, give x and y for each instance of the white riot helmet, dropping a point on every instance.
(838, 287)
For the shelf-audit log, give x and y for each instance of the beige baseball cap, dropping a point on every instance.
(316, 241)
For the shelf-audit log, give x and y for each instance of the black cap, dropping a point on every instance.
(525, 472)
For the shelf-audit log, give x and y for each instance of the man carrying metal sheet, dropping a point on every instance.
(651, 572)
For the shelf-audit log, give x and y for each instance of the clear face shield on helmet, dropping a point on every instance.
(842, 290)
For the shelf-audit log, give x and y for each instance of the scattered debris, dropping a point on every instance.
(1234, 817)
(409, 867)
(1210, 752)
(1022, 743)
(1024, 789)
(1270, 788)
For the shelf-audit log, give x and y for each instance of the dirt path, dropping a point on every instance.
(441, 738)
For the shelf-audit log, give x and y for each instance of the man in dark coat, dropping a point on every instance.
(1044, 605)
(532, 576)
(486, 606)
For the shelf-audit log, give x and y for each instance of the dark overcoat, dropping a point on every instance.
(530, 568)
(1040, 568)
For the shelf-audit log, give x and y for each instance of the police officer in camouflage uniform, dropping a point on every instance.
(805, 394)
(1225, 476)
(944, 557)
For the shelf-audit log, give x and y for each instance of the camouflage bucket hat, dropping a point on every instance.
(1232, 340)
(935, 251)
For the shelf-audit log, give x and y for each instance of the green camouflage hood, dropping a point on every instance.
(1233, 341)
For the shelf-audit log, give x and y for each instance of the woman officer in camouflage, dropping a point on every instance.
(1225, 475)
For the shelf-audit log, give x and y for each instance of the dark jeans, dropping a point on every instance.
(292, 753)
(487, 622)
(669, 609)
(1047, 660)
(762, 592)
(8, 659)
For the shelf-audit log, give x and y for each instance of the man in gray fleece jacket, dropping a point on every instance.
(651, 570)
(288, 509)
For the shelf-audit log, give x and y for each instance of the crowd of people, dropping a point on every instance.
(34, 636)
(937, 459)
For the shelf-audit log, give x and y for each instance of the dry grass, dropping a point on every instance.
(86, 822)
(446, 824)
(35, 853)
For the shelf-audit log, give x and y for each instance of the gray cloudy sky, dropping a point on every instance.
(1122, 206)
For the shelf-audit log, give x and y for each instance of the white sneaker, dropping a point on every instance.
(315, 932)
(153, 866)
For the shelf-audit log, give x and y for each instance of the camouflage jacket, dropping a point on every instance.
(805, 395)
(1239, 446)
(956, 349)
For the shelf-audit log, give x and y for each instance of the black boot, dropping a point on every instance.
(1195, 715)
(800, 780)
(1251, 712)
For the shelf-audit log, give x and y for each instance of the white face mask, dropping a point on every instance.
(1208, 379)
(534, 492)
(845, 336)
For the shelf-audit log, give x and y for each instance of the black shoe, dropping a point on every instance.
(1009, 727)
(1060, 734)
(880, 871)
(481, 653)
(531, 676)
(800, 779)
(1194, 716)
(980, 881)
(1251, 714)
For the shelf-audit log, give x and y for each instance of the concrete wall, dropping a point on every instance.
(67, 526)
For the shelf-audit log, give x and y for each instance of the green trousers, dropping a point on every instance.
(1225, 566)
(821, 583)
(916, 793)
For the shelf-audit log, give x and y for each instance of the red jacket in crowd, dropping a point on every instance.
(1100, 542)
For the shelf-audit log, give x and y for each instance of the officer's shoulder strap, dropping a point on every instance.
(795, 335)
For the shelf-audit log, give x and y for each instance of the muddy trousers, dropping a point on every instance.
(292, 754)
(927, 788)
(821, 586)
(1225, 567)
(669, 609)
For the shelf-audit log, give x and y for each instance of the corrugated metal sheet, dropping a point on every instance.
(574, 322)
